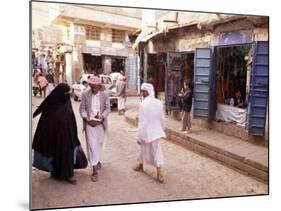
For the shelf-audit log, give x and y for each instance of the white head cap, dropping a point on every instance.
(149, 88)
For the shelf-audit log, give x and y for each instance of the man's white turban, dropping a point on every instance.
(149, 88)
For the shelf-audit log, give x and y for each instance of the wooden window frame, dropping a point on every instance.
(118, 36)
(92, 32)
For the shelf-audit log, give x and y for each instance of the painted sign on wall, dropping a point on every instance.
(230, 38)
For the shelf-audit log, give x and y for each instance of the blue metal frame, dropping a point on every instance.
(258, 100)
(213, 87)
(202, 98)
(132, 70)
(137, 74)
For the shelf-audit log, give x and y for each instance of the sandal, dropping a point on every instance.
(94, 177)
(160, 179)
(138, 168)
(187, 132)
(99, 166)
(71, 181)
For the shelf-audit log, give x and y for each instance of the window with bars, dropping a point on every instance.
(92, 32)
(118, 36)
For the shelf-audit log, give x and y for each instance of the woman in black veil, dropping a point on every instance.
(56, 133)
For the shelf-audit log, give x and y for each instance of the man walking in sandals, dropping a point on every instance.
(94, 109)
(150, 131)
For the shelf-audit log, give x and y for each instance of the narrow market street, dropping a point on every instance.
(187, 175)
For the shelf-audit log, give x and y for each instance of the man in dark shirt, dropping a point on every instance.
(186, 107)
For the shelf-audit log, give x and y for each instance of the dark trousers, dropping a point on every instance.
(42, 90)
(186, 120)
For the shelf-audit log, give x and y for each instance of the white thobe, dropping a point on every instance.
(150, 131)
(151, 153)
(121, 103)
(95, 135)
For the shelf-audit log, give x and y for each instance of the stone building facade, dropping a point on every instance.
(97, 40)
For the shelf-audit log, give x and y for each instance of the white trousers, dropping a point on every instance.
(151, 153)
(121, 103)
(95, 137)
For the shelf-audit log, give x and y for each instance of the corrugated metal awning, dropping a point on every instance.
(144, 36)
(91, 50)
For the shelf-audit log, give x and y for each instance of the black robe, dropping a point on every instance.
(56, 132)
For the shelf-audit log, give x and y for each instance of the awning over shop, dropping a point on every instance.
(91, 50)
(184, 20)
(108, 51)
(144, 36)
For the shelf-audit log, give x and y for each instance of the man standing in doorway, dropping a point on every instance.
(121, 94)
(150, 131)
(94, 109)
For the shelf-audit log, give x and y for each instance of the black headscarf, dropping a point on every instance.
(59, 96)
(56, 132)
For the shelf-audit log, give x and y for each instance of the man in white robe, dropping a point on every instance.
(121, 94)
(150, 131)
(94, 109)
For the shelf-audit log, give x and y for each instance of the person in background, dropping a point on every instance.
(151, 127)
(186, 98)
(94, 110)
(56, 133)
(51, 81)
(121, 94)
(36, 73)
(238, 101)
(43, 83)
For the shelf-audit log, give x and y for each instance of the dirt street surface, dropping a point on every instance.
(187, 175)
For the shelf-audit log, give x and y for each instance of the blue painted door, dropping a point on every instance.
(132, 63)
(257, 106)
(202, 82)
(138, 74)
(173, 81)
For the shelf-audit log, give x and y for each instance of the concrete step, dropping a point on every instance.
(248, 158)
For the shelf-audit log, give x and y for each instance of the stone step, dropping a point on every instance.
(239, 154)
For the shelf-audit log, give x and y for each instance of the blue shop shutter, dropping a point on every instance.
(132, 70)
(137, 74)
(202, 82)
(173, 81)
(257, 106)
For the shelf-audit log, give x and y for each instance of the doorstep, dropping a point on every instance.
(246, 157)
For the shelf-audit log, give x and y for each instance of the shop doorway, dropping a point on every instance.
(231, 75)
(188, 66)
(156, 72)
(220, 72)
(151, 70)
(92, 64)
(179, 67)
(118, 64)
(160, 73)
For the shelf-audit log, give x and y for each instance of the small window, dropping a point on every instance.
(92, 32)
(118, 36)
